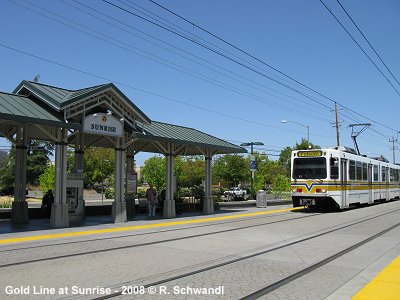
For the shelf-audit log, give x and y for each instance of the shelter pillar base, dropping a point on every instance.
(119, 212)
(169, 209)
(59, 216)
(19, 212)
(208, 205)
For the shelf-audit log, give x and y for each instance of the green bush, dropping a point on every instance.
(47, 179)
(109, 193)
(141, 193)
(217, 191)
(185, 192)
(198, 192)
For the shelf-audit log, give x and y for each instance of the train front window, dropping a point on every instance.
(309, 168)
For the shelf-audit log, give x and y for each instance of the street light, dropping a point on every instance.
(251, 144)
(306, 126)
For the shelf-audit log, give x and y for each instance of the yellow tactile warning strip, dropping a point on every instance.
(386, 285)
(136, 227)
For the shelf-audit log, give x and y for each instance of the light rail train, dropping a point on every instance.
(338, 178)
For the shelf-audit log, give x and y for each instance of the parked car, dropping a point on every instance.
(236, 193)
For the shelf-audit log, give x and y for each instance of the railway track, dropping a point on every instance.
(240, 257)
(135, 245)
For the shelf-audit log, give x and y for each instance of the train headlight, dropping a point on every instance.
(320, 190)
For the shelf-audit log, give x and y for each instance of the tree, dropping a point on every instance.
(38, 158)
(281, 184)
(285, 159)
(99, 165)
(7, 174)
(267, 171)
(305, 145)
(231, 169)
(47, 179)
(192, 171)
(154, 171)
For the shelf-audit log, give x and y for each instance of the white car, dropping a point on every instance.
(235, 192)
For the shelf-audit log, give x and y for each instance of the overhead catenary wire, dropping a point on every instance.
(142, 90)
(172, 65)
(180, 49)
(288, 130)
(369, 43)
(259, 60)
(359, 46)
(242, 51)
(229, 88)
(220, 54)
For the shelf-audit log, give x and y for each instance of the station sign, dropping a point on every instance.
(309, 153)
(103, 124)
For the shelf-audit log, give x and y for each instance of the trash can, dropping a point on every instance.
(261, 199)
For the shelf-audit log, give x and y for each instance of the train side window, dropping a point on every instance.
(376, 173)
(365, 171)
(383, 174)
(352, 170)
(391, 175)
(359, 170)
(334, 164)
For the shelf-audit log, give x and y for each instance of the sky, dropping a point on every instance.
(179, 73)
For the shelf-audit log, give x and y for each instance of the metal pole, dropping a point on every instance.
(251, 172)
(394, 148)
(337, 126)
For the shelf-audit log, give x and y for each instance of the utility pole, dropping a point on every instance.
(252, 160)
(337, 126)
(393, 148)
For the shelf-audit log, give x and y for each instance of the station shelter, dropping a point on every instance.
(97, 116)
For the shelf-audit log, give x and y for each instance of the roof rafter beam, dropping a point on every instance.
(129, 143)
(98, 140)
(8, 134)
(139, 149)
(160, 147)
(53, 137)
(179, 150)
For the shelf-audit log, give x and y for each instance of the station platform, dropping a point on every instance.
(96, 219)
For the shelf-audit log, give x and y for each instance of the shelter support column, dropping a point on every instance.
(169, 202)
(59, 210)
(119, 204)
(208, 204)
(130, 183)
(79, 167)
(19, 212)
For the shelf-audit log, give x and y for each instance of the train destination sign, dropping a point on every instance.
(103, 124)
(309, 153)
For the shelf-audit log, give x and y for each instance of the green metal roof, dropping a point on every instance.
(185, 136)
(23, 109)
(59, 98)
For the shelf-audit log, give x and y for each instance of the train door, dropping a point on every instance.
(370, 199)
(343, 178)
(387, 183)
(387, 179)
